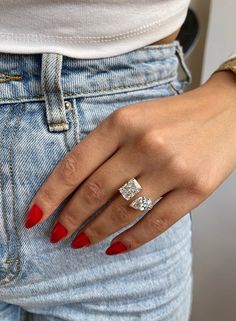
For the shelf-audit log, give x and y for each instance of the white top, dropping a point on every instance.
(86, 28)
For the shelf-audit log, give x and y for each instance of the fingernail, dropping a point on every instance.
(116, 248)
(34, 215)
(80, 240)
(58, 232)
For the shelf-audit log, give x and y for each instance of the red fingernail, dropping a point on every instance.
(116, 248)
(34, 215)
(80, 240)
(58, 232)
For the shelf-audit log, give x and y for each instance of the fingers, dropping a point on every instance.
(118, 214)
(96, 191)
(70, 172)
(162, 216)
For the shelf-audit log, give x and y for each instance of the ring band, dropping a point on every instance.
(129, 189)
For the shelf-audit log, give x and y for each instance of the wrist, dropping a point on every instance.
(220, 91)
(222, 84)
(216, 96)
(224, 81)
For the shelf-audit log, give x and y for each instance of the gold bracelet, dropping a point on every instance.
(228, 65)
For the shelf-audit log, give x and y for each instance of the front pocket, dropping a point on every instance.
(29, 152)
(11, 123)
(90, 111)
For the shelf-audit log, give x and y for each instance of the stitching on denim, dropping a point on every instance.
(48, 106)
(54, 76)
(76, 123)
(66, 141)
(11, 146)
(64, 125)
(9, 273)
(67, 94)
(55, 79)
(175, 91)
(48, 100)
(4, 78)
(1, 181)
(11, 260)
(105, 38)
(23, 97)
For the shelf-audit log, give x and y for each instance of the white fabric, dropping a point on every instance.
(87, 28)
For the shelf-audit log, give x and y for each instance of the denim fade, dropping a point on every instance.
(48, 104)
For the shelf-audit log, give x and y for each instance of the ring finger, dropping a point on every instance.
(119, 214)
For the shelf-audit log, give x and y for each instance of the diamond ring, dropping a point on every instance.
(129, 189)
(142, 203)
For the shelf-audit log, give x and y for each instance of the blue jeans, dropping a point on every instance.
(48, 104)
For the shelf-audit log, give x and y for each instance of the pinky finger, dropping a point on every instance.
(173, 206)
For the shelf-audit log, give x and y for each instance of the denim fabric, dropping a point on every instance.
(48, 104)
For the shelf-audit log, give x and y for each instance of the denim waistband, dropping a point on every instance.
(52, 77)
(20, 74)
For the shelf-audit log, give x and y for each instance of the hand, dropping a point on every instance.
(180, 148)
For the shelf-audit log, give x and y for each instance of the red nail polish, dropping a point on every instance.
(80, 240)
(116, 248)
(58, 232)
(34, 215)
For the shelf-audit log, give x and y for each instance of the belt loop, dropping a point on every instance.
(53, 93)
(183, 65)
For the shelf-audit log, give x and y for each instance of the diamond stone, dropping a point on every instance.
(129, 189)
(142, 203)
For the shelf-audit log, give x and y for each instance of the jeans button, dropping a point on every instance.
(68, 105)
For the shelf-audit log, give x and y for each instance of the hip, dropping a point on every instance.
(38, 128)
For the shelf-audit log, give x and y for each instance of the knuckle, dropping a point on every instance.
(121, 118)
(92, 192)
(46, 199)
(120, 215)
(68, 169)
(95, 234)
(158, 225)
(132, 243)
(200, 186)
(178, 166)
(70, 220)
(153, 143)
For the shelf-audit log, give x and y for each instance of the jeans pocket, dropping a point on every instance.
(90, 111)
(11, 117)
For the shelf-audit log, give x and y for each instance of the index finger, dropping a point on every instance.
(70, 172)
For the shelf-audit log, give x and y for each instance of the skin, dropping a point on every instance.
(167, 39)
(180, 148)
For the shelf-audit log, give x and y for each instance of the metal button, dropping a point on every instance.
(68, 105)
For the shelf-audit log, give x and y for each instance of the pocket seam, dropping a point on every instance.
(174, 89)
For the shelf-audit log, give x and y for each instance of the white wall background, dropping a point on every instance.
(214, 221)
